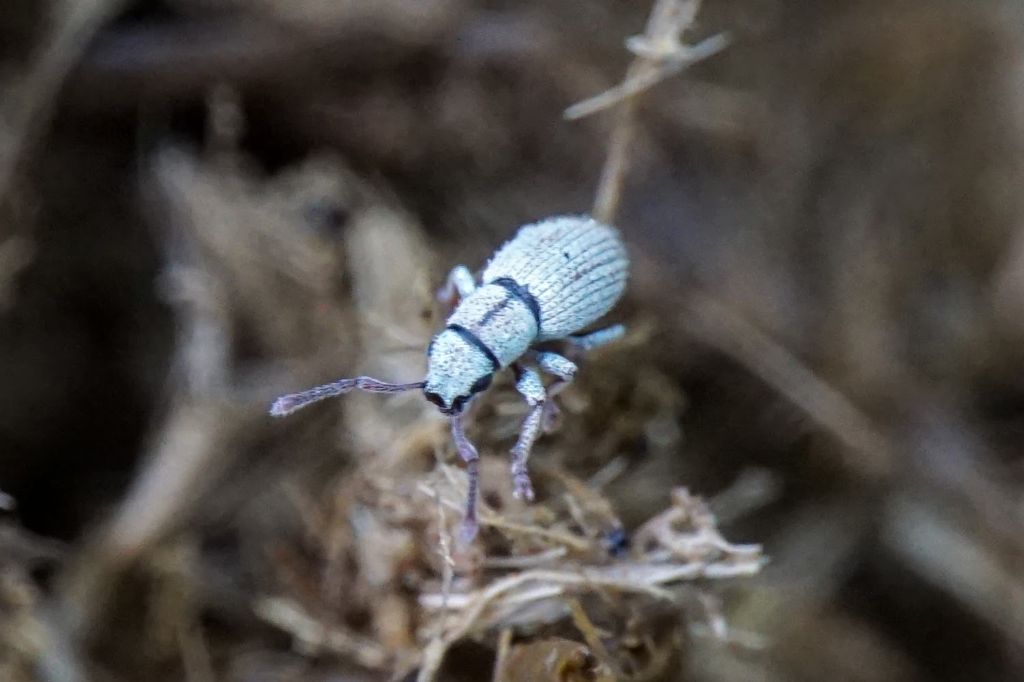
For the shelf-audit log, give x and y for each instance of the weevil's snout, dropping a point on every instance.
(451, 396)
(454, 404)
(448, 408)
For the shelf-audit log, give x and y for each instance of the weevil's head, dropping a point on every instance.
(456, 371)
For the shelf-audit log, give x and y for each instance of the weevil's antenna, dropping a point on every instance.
(287, 404)
(469, 455)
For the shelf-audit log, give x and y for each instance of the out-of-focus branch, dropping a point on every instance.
(25, 109)
(715, 324)
(199, 424)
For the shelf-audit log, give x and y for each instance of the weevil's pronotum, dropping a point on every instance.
(553, 279)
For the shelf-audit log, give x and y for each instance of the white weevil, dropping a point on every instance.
(553, 279)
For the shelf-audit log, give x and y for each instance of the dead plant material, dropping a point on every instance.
(680, 545)
(660, 53)
(399, 529)
(553, 660)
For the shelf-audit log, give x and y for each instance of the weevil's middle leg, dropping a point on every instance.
(529, 385)
(564, 371)
(459, 285)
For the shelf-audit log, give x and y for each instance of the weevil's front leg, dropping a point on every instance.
(469, 455)
(459, 285)
(598, 337)
(528, 384)
(564, 370)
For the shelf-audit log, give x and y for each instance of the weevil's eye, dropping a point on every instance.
(434, 398)
(459, 403)
(481, 384)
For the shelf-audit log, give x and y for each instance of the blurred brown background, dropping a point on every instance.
(206, 203)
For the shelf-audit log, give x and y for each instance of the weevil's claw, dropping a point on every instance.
(468, 530)
(549, 419)
(522, 488)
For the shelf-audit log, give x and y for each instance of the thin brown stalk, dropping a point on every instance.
(660, 53)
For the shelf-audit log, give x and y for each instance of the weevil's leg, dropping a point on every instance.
(596, 338)
(528, 384)
(459, 285)
(564, 370)
(469, 455)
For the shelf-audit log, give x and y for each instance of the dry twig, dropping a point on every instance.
(660, 54)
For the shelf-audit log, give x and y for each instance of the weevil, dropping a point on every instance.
(552, 280)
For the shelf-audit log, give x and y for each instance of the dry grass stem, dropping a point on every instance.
(315, 636)
(591, 635)
(501, 657)
(716, 324)
(661, 67)
(660, 54)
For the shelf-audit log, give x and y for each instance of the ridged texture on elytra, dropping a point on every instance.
(575, 267)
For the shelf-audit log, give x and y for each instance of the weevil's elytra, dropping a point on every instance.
(572, 291)
(554, 278)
